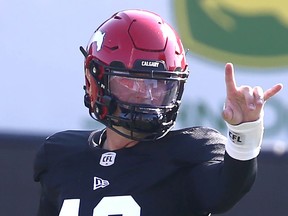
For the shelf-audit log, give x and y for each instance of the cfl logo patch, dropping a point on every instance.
(108, 159)
(235, 138)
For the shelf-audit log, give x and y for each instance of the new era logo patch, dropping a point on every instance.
(99, 183)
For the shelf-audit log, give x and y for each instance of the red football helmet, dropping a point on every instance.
(135, 70)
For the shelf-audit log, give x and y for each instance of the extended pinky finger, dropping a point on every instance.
(272, 91)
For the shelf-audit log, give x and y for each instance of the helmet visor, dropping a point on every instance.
(156, 92)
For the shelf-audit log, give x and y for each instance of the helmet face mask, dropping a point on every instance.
(134, 86)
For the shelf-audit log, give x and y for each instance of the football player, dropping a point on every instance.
(135, 72)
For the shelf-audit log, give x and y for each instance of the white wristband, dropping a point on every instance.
(244, 140)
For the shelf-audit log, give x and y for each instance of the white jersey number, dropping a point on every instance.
(114, 205)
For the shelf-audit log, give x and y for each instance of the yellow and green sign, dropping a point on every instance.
(245, 32)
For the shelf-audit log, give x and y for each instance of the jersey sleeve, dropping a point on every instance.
(51, 152)
(217, 182)
(218, 186)
(46, 207)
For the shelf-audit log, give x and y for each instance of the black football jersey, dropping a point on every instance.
(185, 173)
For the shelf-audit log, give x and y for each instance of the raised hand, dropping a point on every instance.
(244, 103)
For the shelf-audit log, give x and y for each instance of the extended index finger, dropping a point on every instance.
(230, 78)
